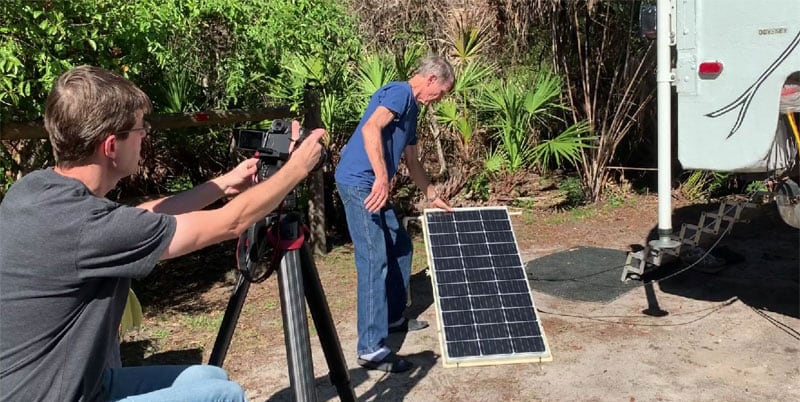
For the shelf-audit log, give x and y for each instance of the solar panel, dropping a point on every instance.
(483, 302)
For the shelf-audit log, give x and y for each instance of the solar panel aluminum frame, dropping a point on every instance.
(449, 361)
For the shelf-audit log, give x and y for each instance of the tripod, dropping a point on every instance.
(297, 275)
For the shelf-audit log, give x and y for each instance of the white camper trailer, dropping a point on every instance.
(733, 59)
(735, 66)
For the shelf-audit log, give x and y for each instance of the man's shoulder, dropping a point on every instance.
(44, 179)
(396, 96)
(397, 87)
(45, 187)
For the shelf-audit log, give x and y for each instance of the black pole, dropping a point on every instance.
(329, 339)
(229, 320)
(653, 309)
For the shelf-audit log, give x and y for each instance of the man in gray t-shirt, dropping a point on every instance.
(67, 259)
(67, 254)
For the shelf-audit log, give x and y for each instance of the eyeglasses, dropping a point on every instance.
(145, 126)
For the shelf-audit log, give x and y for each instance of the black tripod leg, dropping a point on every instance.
(229, 322)
(295, 328)
(317, 303)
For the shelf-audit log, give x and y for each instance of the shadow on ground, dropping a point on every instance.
(391, 387)
(762, 265)
(133, 355)
(175, 284)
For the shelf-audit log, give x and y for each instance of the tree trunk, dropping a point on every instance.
(316, 184)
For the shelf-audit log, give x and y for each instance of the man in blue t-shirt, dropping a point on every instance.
(387, 131)
(68, 254)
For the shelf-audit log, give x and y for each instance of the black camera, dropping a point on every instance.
(273, 146)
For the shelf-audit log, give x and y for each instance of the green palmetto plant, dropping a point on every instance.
(565, 147)
(504, 101)
(519, 106)
(299, 73)
(701, 184)
(179, 93)
(457, 112)
(449, 115)
(406, 62)
(495, 160)
(375, 71)
(540, 103)
(472, 76)
(469, 37)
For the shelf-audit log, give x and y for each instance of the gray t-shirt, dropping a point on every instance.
(66, 259)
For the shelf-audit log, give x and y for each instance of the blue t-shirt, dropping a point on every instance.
(354, 168)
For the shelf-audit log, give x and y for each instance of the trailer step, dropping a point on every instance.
(713, 223)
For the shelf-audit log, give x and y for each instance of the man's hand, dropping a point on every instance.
(307, 154)
(240, 178)
(378, 196)
(438, 202)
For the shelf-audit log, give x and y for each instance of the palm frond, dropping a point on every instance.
(566, 147)
(544, 96)
(472, 75)
(374, 72)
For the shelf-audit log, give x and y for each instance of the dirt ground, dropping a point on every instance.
(728, 336)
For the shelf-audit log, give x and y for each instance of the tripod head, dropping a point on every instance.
(260, 248)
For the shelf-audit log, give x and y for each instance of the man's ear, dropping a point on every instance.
(431, 79)
(108, 147)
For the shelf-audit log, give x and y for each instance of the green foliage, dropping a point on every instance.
(573, 191)
(566, 147)
(449, 115)
(459, 112)
(6, 171)
(756, 186)
(406, 61)
(470, 40)
(701, 184)
(178, 184)
(375, 71)
(495, 160)
(186, 54)
(516, 109)
(478, 186)
(178, 93)
(524, 203)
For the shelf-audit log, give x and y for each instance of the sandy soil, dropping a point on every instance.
(729, 336)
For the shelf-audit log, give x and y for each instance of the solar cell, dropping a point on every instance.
(485, 309)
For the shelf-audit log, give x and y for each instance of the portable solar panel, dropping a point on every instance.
(483, 302)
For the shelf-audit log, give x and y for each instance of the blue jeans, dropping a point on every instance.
(197, 383)
(383, 263)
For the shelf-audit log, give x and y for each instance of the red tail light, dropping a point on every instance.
(710, 69)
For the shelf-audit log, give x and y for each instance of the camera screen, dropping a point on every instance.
(251, 139)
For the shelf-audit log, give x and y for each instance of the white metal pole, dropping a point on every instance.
(664, 88)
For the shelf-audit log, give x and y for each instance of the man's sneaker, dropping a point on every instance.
(390, 363)
(409, 325)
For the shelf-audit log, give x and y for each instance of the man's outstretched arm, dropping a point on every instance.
(204, 194)
(199, 229)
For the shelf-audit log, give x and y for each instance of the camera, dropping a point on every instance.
(273, 146)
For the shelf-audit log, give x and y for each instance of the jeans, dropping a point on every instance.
(197, 383)
(383, 263)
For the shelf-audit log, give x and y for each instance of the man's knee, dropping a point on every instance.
(201, 372)
(229, 391)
